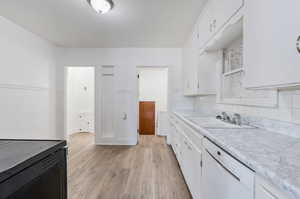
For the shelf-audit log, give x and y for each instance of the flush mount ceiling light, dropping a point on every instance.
(101, 6)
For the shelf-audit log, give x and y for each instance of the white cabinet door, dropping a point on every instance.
(205, 24)
(186, 57)
(194, 157)
(171, 132)
(115, 118)
(194, 70)
(124, 114)
(270, 38)
(185, 161)
(175, 140)
(214, 15)
(191, 167)
(207, 72)
(223, 11)
(105, 101)
(188, 150)
(190, 66)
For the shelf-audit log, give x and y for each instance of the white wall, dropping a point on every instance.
(80, 99)
(33, 84)
(27, 84)
(125, 60)
(153, 86)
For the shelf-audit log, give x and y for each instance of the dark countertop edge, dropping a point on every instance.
(23, 165)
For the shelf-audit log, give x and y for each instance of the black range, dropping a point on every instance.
(33, 169)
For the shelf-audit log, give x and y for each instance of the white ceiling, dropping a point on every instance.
(132, 23)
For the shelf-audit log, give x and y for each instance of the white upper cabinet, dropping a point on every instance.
(213, 17)
(207, 73)
(190, 65)
(223, 11)
(199, 71)
(205, 25)
(270, 40)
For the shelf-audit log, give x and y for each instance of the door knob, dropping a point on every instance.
(298, 44)
(125, 116)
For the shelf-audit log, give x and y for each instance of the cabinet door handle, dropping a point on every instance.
(124, 116)
(298, 44)
(215, 23)
(210, 27)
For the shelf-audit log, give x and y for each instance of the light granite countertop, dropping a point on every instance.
(273, 156)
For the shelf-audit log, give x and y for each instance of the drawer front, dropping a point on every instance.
(195, 137)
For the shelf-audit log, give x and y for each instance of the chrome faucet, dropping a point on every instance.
(237, 119)
(225, 117)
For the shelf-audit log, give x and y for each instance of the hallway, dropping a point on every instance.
(148, 170)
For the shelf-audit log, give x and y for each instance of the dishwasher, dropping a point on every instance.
(224, 177)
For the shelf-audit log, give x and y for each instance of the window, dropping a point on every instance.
(232, 90)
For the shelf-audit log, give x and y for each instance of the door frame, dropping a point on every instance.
(66, 135)
(138, 90)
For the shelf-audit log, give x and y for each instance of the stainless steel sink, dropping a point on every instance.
(213, 123)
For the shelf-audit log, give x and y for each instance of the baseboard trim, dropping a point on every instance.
(117, 142)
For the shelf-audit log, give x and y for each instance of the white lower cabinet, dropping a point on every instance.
(264, 190)
(212, 173)
(194, 169)
(189, 156)
(191, 166)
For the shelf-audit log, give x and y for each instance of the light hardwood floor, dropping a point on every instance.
(148, 170)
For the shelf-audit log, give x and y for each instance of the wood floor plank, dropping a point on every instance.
(146, 171)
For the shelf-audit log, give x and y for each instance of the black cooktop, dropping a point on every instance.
(15, 155)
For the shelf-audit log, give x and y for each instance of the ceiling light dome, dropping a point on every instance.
(101, 6)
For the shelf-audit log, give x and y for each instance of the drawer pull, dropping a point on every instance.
(298, 44)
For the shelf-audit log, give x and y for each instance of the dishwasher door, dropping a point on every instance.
(223, 181)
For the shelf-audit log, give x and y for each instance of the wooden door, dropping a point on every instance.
(147, 118)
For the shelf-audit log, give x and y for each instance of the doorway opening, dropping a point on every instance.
(80, 101)
(153, 100)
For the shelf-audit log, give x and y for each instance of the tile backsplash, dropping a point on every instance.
(288, 109)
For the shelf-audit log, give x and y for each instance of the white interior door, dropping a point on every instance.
(115, 105)
(105, 101)
(124, 116)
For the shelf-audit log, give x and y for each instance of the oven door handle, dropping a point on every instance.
(225, 168)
